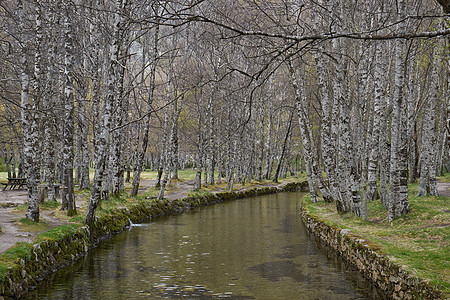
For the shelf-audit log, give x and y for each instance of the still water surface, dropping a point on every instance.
(254, 248)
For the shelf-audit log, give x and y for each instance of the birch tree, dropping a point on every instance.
(68, 196)
(139, 159)
(29, 118)
(103, 139)
(398, 185)
(428, 152)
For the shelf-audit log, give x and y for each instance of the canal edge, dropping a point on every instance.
(52, 254)
(392, 280)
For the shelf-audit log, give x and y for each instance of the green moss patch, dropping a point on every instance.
(30, 226)
(198, 194)
(50, 205)
(12, 257)
(78, 219)
(57, 233)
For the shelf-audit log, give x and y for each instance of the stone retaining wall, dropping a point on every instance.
(53, 254)
(390, 279)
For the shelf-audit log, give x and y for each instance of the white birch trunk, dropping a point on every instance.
(305, 131)
(268, 145)
(48, 103)
(378, 109)
(429, 144)
(198, 173)
(68, 196)
(211, 145)
(29, 126)
(116, 165)
(169, 149)
(339, 130)
(259, 141)
(413, 101)
(398, 187)
(102, 141)
(164, 144)
(138, 163)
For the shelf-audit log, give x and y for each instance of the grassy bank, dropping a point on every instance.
(419, 241)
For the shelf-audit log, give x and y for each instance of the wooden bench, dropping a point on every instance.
(15, 183)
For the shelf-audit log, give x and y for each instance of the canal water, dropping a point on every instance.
(254, 248)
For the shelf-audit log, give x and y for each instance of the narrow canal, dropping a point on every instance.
(254, 248)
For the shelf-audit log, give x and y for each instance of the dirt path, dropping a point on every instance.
(443, 188)
(11, 233)
(180, 190)
(9, 219)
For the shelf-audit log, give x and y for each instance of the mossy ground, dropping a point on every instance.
(30, 226)
(57, 233)
(12, 257)
(419, 241)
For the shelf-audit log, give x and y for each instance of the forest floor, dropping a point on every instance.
(13, 203)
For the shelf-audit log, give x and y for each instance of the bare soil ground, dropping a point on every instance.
(443, 188)
(11, 232)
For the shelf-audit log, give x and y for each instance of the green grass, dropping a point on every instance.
(418, 241)
(20, 250)
(200, 193)
(50, 205)
(57, 233)
(151, 192)
(4, 177)
(47, 205)
(13, 255)
(30, 226)
(78, 219)
(183, 175)
(445, 178)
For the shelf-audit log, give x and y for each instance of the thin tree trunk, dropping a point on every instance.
(139, 162)
(268, 145)
(398, 186)
(30, 128)
(259, 141)
(305, 132)
(116, 164)
(374, 154)
(283, 149)
(429, 144)
(211, 148)
(169, 150)
(103, 138)
(49, 102)
(68, 196)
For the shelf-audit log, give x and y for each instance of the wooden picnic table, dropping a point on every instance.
(15, 183)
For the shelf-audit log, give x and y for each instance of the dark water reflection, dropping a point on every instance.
(255, 248)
